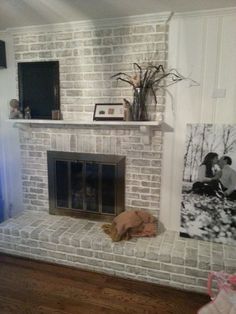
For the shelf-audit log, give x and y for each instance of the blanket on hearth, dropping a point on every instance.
(128, 224)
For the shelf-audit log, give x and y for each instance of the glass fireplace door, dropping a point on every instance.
(86, 184)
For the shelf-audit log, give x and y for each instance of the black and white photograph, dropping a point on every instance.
(208, 207)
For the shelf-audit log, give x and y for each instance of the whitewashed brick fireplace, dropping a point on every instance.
(88, 54)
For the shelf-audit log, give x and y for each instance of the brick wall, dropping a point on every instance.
(88, 57)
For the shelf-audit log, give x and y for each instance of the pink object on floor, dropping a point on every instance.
(225, 301)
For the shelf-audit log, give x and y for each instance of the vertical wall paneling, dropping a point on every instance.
(206, 51)
(210, 69)
(227, 73)
(188, 103)
(217, 71)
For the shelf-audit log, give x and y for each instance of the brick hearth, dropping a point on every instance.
(166, 259)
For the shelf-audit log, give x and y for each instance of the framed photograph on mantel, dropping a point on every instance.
(104, 112)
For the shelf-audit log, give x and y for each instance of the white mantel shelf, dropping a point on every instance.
(57, 123)
(146, 127)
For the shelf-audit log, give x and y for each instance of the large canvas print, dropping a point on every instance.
(208, 208)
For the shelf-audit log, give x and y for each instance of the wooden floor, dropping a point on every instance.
(28, 286)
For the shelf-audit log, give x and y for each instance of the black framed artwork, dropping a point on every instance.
(39, 88)
(112, 112)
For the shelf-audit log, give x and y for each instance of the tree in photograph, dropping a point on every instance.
(188, 145)
(228, 138)
(190, 158)
(203, 137)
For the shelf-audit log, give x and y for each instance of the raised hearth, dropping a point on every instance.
(166, 259)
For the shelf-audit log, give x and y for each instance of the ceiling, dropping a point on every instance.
(16, 13)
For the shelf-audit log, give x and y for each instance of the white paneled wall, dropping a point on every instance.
(203, 46)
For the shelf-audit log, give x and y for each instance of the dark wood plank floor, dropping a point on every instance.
(28, 286)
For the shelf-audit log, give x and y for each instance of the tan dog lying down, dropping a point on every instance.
(136, 223)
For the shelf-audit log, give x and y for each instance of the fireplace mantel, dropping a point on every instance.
(146, 127)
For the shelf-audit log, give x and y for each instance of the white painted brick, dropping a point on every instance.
(83, 34)
(107, 246)
(143, 29)
(102, 51)
(118, 248)
(102, 32)
(125, 259)
(147, 267)
(95, 262)
(159, 274)
(48, 246)
(103, 256)
(196, 272)
(183, 279)
(135, 270)
(38, 251)
(30, 242)
(21, 48)
(57, 255)
(113, 265)
(64, 36)
(76, 259)
(82, 252)
(30, 55)
(173, 269)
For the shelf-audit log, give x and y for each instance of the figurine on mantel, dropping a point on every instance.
(159, 117)
(15, 112)
(127, 110)
(27, 113)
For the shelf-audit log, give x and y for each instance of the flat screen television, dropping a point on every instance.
(39, 88)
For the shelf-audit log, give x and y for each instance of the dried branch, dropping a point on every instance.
(151, 80)
(121, 74)
(124, 80)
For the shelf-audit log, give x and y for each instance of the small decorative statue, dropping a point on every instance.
(27, 113)
(15, 112)
(127, 110)
(159, 117)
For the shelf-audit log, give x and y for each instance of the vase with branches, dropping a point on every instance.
(147, 81)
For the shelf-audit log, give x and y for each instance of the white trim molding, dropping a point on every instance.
(92, 24)
(202, 13)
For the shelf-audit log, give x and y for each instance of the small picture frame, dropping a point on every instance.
(104, 112)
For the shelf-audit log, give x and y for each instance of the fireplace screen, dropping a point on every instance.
(86, 185)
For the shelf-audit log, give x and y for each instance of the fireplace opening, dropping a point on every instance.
(86, 185)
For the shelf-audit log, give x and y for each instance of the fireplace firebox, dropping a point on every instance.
(86, 185)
